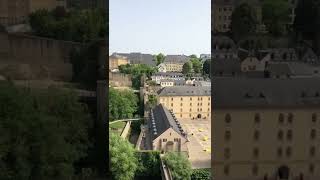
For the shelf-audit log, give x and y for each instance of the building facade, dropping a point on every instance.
(115, 61)
(266, 129)
(166, 132)
(187, 102)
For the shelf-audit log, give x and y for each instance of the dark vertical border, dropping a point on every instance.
(212, 90)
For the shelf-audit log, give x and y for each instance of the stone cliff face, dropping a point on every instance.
(24, 57)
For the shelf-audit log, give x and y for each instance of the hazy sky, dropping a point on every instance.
(154, 26)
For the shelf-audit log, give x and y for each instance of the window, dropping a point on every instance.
(171, 104)
(181, 115)
(311, 168)
(314, 117)
(227, 118)
(189, 115)
(190, 99)
(208, 104)
(171, 99)
(280, 135)
(227, 135)
(181, 99)
(313, 134)
(176, 140)
(288, 151)
(279, 152)
(226, 170)
(290, 118)
(227, 153)
(312, 151)
(255, 153)
(164, 140)
(256, 135)
(181, 104)
(255, 170)
(190, 104)
(289, 135)
(257, 118)
(181, 109)
(281, 118)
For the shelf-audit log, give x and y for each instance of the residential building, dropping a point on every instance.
(116, 60)
(223, 9)
(187, 102)
(162, 68)
(174, 63)
(223, 47)
(139, 58)
(166, 83)
(166, 132)
(157, 77)
(173, 66)
(266, 129)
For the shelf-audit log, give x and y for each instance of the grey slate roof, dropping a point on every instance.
(264, 93)
(176, 59)
(139, 58)
(185, 91)
(226, 66)
(163, 119)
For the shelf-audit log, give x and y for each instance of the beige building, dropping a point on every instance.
(223, 9)
(266, 129)
(173, 67)
(165, 131)
(17, 11)
(115, 61)
(187, 102)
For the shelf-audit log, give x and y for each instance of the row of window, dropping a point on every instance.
(198, 110)
(289, 135)
(281, 118)
(255, 170)
(175, 139)
(225, 9)
(199, 104)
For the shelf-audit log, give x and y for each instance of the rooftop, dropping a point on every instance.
(185, 91)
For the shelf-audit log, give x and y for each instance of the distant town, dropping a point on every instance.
(175, 101)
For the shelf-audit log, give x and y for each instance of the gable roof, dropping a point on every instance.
(176, 59)
(262, 92)
(185, 91)
(162, 119)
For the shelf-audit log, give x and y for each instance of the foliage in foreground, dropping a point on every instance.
(43, 133)
(149, 164)
(201, 174)
(77, 25)
(123, 160)
(122, 104)
(179, 165)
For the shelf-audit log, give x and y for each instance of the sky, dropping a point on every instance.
(160, 26)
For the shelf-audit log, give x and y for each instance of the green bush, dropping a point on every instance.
(201, 174)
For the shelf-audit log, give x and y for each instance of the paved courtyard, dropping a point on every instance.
(199, 135)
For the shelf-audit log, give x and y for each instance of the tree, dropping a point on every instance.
(122, 104)
(43, 133)
(275, 15)
(152, 101)
(123, 161)
(149, 163)
(207, 66)
(244, 21)
(201, 174)
(196, 65)
(159, 58)
(187, 68)
(306, 18)
(77, 25)
(179, 165)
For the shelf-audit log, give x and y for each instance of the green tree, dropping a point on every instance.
(306, 18)
(152, 101)
(207, 67)
(187, 68)
(201, 174)
(77, 25)
(122, 104)
(43, 133)
(275, 15)
(159, 58)
(149, 163)
(179, 165)
(123, 160)
(244, 21)
(196, 65)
